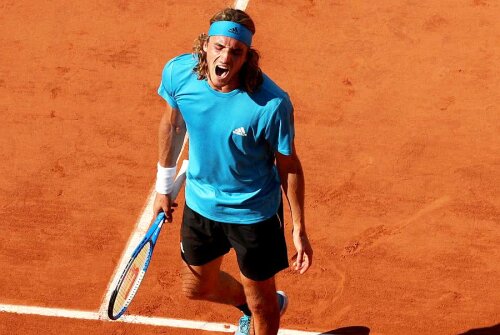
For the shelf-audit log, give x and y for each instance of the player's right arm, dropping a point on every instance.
(171, 133)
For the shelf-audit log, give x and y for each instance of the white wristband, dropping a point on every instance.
(165, 179)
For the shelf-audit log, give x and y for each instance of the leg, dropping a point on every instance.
(204, 244)
(261, 298)
(261, 252)
(207, 282)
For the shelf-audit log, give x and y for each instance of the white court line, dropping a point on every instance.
(241, 4)
(46, 311)
(153, 321)
(144, 320)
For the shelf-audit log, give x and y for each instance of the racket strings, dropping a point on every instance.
(132, 279)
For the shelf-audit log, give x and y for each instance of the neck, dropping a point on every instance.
(231, 86)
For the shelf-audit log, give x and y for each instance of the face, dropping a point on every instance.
(225, 57)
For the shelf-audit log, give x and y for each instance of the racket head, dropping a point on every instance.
(130, 281)
(134, 272)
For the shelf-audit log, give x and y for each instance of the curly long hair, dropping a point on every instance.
(250, 73)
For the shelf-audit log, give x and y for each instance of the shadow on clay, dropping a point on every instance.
(353, 330)
(493, 330)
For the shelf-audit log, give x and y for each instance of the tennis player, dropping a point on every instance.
(241, 154)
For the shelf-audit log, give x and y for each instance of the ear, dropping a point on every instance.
(205, 45)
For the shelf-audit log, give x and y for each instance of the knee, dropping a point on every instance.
(199, 283)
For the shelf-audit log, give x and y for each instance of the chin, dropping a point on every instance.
(220, 83)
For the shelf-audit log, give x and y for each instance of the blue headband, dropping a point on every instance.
(231, 29)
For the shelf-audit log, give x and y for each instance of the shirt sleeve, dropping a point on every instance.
(166, 89)
(279, 129)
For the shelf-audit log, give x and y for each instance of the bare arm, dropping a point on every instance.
(293, 184)
(171, 133)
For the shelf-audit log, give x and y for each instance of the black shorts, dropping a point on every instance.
(260, 248)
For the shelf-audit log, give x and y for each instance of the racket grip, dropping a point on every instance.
(160, 217)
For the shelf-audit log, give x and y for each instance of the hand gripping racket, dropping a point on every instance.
(136, 267)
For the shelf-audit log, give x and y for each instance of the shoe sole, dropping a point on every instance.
(285, 302)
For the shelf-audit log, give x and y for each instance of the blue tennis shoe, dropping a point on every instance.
(245, 320)
(282, 301)
(244, 325)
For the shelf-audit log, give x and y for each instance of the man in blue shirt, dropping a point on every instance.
(241, 155)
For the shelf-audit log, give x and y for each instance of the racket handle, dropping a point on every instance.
(160, 217)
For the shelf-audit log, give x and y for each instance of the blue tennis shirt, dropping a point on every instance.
(233, 136)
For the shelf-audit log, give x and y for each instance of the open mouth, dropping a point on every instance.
(221, 71)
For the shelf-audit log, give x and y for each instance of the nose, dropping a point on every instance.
(225, 55)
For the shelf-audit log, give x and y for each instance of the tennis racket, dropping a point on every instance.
(134, 272)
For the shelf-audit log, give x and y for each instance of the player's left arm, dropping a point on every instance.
(293, 184)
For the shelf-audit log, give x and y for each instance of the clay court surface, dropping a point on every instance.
(397, 121)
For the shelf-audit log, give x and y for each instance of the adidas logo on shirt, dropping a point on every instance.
(240, 131)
